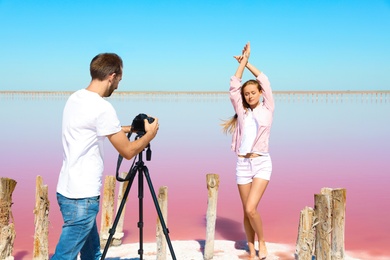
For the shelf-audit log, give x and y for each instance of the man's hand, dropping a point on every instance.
(128, 149)
(151, 128)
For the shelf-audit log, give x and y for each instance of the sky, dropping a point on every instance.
(189, 45)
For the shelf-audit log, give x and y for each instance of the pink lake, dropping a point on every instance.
(317, 140)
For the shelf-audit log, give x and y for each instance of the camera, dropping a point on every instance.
(138, 125)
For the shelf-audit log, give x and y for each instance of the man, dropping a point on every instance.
(87, 119)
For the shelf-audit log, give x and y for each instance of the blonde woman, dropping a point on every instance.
(254, 106)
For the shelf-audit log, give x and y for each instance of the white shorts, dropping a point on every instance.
(249, 168)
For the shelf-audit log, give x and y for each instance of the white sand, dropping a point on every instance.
(193, 250)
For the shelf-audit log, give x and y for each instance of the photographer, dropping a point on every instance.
(87, 119)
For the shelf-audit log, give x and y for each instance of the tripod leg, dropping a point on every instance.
(118, 215)
(160, 216)
(140, 211)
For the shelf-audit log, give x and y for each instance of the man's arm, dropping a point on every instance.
(129, 149)
(126, 128)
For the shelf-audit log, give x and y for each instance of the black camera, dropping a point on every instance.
(138, 125)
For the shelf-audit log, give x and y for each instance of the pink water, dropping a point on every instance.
(314, 144)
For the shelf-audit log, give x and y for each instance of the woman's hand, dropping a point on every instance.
(246, 51)
(238, 58)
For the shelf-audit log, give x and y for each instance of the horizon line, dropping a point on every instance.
(27, 92)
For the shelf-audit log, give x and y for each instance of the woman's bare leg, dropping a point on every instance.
(249, 232)
(251, 195)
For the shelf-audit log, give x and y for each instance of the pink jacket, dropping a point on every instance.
(263, 114)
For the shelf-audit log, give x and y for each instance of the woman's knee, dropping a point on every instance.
(250, 212)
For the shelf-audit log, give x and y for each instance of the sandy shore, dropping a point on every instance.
(193, 250)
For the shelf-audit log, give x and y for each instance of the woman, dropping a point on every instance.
(251, 130)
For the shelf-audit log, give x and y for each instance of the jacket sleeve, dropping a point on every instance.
(235, 93)
(268, 98)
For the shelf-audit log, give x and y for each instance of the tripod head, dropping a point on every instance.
(148, 150)
(140, 162)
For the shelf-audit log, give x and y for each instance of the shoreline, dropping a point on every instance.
(194, 250)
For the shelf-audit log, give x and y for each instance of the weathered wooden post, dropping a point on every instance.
(107, 209)
(160, 237)
(338, 199)
(41, 221)
(322, 208)
(211, 217)
(329, 223)
(7, 229)
(117, 237)
(306, 235)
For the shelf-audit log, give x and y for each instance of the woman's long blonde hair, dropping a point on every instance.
(230, 125)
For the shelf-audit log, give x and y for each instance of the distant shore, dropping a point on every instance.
(376, 96)
(321, 92)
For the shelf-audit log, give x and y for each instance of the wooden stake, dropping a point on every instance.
(329, 215)
(324, 228)
(41, 221)
(160, 237)
(211, 217)
(117, 237)
(338, 199)
(7, 230)
(306, 235)
(107, 209)
(7, 238)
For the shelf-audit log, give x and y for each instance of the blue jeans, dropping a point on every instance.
(79, 232)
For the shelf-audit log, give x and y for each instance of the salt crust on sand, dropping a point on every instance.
(193, 250)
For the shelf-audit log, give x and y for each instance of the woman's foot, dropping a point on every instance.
(263, 253)
(248, 257)
(252, 251)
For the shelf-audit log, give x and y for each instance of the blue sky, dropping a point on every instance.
(188, 45)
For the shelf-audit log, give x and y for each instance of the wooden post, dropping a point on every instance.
(7, 229)
(338, 199)
(211, 217)
(107, 209)
(329, 218)
(306, 235)
(160, 236)
(117, 238)
(41, 221)
(324, 227)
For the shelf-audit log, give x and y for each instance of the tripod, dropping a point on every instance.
(142, 170)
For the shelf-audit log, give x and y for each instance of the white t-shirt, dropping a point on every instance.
(249, 133)
(87, 120)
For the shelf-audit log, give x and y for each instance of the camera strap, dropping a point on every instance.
(118, 165)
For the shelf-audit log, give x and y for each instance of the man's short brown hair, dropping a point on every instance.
(104, 64)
